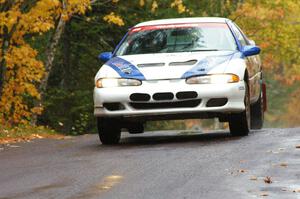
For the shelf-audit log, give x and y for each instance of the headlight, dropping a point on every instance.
(116, 82)
(213, 79)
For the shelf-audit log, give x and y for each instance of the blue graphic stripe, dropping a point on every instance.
(206, 64)
(125, 69)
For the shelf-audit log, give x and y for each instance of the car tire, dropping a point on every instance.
(257, 113)
(239, 123)
(109, 131)
(136, 128)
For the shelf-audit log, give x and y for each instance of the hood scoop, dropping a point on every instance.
(186, 63)
(151, 65)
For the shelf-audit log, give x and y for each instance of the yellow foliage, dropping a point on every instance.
(114, 19)
(154, 6)
(23, 71)
(77, 6)
(181, 8)
(273, 25)
(142, 3)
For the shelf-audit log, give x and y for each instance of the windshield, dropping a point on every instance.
(174, 38)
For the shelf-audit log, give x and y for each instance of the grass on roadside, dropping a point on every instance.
(25, 133)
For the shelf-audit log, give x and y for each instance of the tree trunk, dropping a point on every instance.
(50, 55)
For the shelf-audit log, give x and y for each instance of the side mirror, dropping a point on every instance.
(250, 50)
(105, 56)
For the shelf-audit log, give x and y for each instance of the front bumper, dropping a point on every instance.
(118, 102)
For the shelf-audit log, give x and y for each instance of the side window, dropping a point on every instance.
(245, 37)
(239, 35)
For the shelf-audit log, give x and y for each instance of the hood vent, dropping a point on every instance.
(186, 63)
(151, 65)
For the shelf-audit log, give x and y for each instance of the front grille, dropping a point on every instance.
(162, 105)
(163, 96)
(139, 97)
(187, 95)
(216, 102)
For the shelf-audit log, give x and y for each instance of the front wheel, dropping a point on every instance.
(109, 131)
(239, 123)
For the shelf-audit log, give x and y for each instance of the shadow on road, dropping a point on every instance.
(157, 138)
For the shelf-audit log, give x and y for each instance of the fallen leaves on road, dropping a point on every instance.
(236, 172)
(37, 136)
(9, 135)
(28, 138)
(242, 171)
(264, 194)
(284, 189)
(268, 180)
(253, 178)
(283, 164)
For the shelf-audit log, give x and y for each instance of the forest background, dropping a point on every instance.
(49, 50)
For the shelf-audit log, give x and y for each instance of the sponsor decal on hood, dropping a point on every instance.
(207, 64)
(125, 68)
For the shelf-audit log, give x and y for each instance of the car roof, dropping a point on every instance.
(183, 20)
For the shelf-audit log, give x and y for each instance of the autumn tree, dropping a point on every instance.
(274, 25)
(21, 71)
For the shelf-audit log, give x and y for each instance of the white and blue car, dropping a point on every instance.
(180, 69)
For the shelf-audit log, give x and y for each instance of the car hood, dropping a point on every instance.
(171, 65)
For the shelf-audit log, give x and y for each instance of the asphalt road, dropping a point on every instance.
(158, 165)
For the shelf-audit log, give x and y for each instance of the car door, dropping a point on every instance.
(253, 65)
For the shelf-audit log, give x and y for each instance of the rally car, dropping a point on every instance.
(180, 69)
